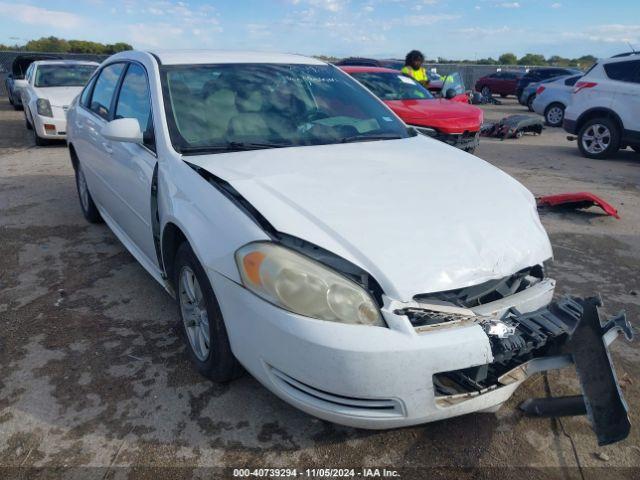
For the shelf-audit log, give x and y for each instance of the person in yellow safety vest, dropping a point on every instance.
(413, 67)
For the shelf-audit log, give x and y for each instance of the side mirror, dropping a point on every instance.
(450, 93)
(123, 130)
(20, 83)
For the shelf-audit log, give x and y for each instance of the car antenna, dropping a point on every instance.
(631, 47)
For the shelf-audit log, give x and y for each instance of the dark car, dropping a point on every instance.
(500, 83)
(370, 62)
(18, 69)
(543, 73)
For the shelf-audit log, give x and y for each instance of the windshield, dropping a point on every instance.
(63, 75)
(392, 86)
(216, 108)
(453, 81)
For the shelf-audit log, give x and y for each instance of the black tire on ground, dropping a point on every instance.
(27, 124)
(40, 142)
(220, 365)
(88, 207)
(486, 91)
(554, 114)
(530, 100)
(636, 148)
(16, 106)
(611, 140)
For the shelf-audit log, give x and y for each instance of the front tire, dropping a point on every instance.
(39, 141)
(554, 115)
(599, 138)
(201, 323)
(88, 207)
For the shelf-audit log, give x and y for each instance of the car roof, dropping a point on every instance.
(202, 57)
(65, 62)
(361, 69)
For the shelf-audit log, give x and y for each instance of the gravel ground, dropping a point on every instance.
(95, 383)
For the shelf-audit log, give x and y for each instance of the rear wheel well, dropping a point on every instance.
(74, 156)
(598, 113)
(172, 238)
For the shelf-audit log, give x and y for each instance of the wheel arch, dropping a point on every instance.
(596, 113)
(73, 155)
(172, 238)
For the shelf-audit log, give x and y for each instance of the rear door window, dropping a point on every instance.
(623, 71)
(104, 89)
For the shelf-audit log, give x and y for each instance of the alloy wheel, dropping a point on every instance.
(596, 139)
(194, 313)
(555, 115)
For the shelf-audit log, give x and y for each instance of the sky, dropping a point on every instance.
(380, 28)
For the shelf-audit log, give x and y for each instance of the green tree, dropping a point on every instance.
(508, 59)
(117, 47)
(532, 59)
(585, 61)
(48, 44)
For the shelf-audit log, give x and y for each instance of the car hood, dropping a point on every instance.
(444, 115)
(417, 214)
(58, 96)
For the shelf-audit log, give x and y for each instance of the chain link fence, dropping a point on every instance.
(7, 57)
(471, 73)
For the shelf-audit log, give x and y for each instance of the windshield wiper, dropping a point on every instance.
(230, 147)
(370, 138)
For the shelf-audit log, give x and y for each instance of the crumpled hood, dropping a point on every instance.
(418, 215)
(58, 96)
(445, 115)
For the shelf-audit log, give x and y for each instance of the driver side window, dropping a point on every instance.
(134, 102)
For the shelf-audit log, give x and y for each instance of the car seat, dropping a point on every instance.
(250, 122)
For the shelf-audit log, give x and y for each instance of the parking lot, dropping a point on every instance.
(93, 372)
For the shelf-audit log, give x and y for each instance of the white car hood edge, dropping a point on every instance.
(418, 215)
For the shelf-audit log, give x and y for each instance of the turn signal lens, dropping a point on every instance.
(301, 285)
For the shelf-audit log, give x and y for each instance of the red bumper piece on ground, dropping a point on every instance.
(577, 200)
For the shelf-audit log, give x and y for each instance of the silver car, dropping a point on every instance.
(553, 97)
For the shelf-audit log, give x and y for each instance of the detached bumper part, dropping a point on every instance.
(565, 332)
(602, 399)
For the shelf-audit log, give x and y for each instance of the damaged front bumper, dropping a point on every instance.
(467, 140)
(378, 378)
(566, 332)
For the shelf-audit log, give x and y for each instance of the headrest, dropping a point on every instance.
(249, 102)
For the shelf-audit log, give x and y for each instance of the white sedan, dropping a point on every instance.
(552, 97)
(364, 273)
(50, 87)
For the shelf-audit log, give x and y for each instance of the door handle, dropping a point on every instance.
(107, 148)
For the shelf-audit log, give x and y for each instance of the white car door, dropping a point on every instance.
(93, 150)
(131, 165)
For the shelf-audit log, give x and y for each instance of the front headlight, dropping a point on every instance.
(303, 286)
(44, 107)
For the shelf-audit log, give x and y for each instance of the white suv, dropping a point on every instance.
(605, 107)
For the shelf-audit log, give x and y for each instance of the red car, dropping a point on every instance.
(499, 83)
(452, 122)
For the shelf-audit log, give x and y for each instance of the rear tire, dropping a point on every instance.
(201, 320)
(599, 138)
(88, 207)
(554, 114)
(530, 100)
